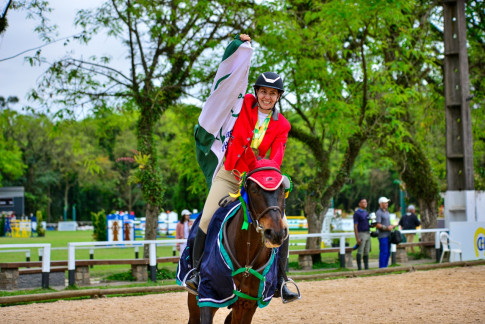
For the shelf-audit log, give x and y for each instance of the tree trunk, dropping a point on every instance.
(315, 222)
(428, 214)
(421, 183)
(151, 226)
(149, 173)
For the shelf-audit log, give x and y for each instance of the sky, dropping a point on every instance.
(17, 77)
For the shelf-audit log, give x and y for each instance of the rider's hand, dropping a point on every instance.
(244, 37)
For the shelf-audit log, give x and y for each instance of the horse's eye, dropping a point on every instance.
(254, 189)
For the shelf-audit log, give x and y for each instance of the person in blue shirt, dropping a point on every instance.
(362, 233)
(384, 226)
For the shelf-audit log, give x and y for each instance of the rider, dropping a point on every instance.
(259, 127)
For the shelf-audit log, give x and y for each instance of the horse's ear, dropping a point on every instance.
(250, 158)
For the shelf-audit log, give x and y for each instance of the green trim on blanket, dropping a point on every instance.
(232, 47)
(211, 304)
(262, 303)
(205, 157)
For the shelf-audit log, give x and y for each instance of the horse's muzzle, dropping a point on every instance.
(275, 238)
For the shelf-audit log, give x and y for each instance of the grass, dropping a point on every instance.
(60, 239)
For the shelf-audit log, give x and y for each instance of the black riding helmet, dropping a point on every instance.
(270, 80)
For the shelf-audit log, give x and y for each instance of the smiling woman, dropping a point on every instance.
(247, 122)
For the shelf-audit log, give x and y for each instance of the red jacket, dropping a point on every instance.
(242, 135)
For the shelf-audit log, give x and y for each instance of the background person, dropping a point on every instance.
(182, 230)
(362, 233)
(409, 222)
(384, 226)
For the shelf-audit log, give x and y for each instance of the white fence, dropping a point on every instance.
(45, 249)
(46, 261)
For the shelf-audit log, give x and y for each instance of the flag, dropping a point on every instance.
(220, 111)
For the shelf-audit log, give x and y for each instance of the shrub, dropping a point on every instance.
(40, 229)
(100, 225)
(164, 273)
(121, 276)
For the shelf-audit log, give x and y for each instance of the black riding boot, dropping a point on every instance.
(359, 259)
(286, 294)
(197, 252)
(366, 262)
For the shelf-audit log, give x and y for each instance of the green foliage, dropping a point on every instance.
(364, 97)
(40, 228)
(175, 134)
(100, 224)
(164, 274)
(165, 60)
(343, 63)
(11, 165)
(121, 276)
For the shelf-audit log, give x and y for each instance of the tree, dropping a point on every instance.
(188, 189)
(32, 135)
(342, 75)
(3, 15)
(77, 158)
(11, 164)
(168, 45)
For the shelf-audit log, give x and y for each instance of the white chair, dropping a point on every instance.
(446, 246)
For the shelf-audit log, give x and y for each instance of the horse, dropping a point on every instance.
(250, 250)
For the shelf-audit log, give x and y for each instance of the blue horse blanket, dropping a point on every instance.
(216, 288)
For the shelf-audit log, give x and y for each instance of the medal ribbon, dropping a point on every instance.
(259, 132)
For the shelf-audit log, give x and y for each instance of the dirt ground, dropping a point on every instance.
(455, 295)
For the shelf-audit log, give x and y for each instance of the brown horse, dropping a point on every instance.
(249, 249)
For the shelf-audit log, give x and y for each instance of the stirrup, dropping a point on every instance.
(281, 291)
(184, 284)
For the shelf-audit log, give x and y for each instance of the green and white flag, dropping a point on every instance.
(222, 108)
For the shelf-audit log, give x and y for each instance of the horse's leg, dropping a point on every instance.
(207, 314)
(194, 310)
(243, 313)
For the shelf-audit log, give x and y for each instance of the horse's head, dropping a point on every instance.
(265, 186)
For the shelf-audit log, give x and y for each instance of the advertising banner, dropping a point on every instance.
(471, 236)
